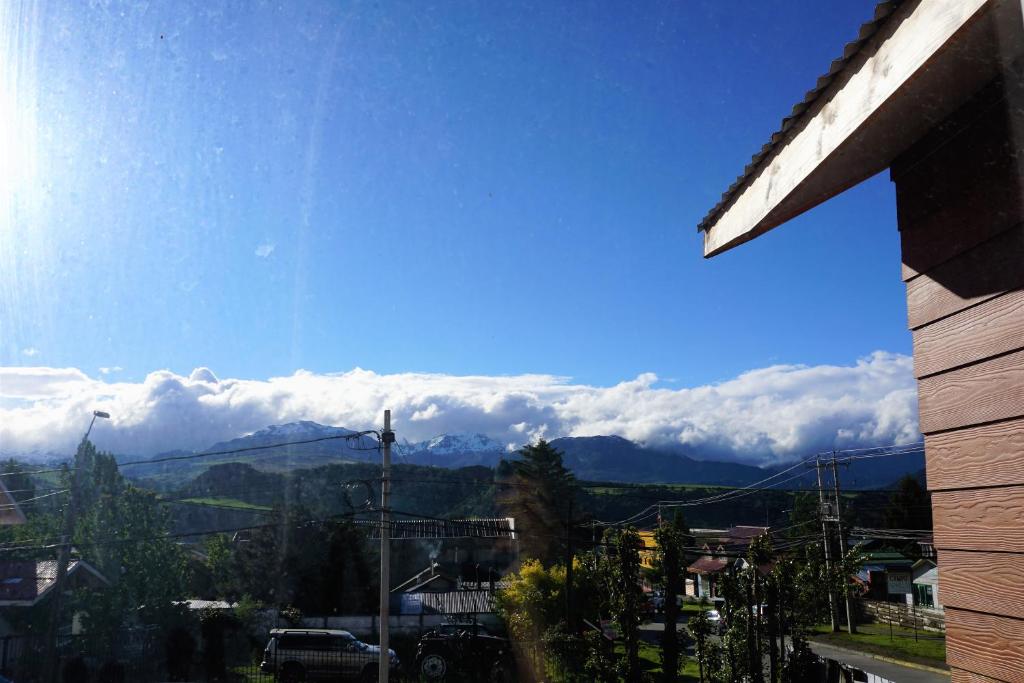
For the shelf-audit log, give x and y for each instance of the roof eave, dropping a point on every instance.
(924, 60)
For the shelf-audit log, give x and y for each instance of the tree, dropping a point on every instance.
(122, 530)
(909, 507)
(318, 566)
(537, 492)
(670, 539)
(700, 628)
(626, 596)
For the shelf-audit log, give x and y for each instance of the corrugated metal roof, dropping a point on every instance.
(503, 527)
(883, 10)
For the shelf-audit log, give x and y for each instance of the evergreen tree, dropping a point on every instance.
(538, 493)
(627, 596)
(670, 546)
(910, 507)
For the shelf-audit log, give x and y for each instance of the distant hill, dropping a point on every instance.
(613, 458)
(593, 458)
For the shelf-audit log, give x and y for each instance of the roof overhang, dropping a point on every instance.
(925, 59)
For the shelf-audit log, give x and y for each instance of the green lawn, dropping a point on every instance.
(929, 648)
(226, 503)
(650, 661)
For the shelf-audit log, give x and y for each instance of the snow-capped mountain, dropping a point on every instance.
(455, 450)
(303, 429)
(447, 444)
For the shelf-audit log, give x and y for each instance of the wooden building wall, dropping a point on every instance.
(959, 199)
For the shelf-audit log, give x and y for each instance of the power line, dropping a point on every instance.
(207, 454)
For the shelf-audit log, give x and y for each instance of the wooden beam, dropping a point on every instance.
(899, 86)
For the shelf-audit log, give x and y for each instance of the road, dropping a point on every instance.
(893, 672)
(651, 632)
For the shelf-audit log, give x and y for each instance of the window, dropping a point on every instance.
(923, 595)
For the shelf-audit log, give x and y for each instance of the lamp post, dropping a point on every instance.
(95, 414)
(63, 556)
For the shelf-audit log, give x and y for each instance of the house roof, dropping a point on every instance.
(883, 10)
(708, 565)
(448, 602)
(418, 581)
(502, 527)
(25, 582)
(910, 67)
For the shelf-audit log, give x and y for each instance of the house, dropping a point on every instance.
(708, 570)
(26, 585)
(933, 91)
(885, 576)
(723, 552)
(925, 578)
(431, 580)
(649, 551)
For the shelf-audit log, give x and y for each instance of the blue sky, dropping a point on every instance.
(490, 207)
(461, 188)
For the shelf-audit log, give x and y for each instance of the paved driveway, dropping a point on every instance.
(893, 672)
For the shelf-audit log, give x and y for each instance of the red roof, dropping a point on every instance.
(708, 565)
(24, 582)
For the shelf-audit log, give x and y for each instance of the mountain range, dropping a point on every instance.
(590, 458)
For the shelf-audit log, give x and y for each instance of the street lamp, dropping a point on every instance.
(95, 414)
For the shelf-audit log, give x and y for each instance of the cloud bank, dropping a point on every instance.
(762, 416)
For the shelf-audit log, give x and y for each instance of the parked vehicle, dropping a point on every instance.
(468, 650)
(295, 654)
(715, 619)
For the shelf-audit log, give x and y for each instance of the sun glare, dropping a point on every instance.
(17, 113)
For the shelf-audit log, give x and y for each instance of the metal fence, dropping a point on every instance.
(310, 664)
(131, 656)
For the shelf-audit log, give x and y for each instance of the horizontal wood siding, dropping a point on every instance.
(984, 392)
(941, 215)
(960, 197)
(993, 327)
(983, 582)
(961, 676)
(979, 519)
(977, 275)
(986, 455)
(985, 644)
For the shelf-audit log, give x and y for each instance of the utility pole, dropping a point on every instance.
(825, 543)
(387, 437)
(569, 621)
(64, 557)
(850, 626)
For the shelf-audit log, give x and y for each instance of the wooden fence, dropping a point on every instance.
(901, 614)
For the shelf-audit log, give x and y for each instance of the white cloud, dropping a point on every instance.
(265, 249)
(30, 351)
(107, 371)
(761, 416)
